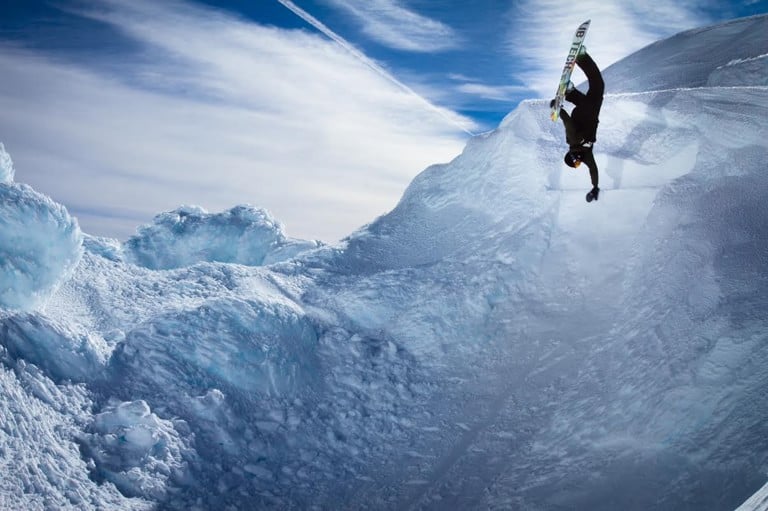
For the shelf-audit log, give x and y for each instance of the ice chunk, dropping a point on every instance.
(189, 234)
(40, 244)
(6, 166)
(136, 450)
(214, 420)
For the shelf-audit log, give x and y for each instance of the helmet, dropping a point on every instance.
(572, 159)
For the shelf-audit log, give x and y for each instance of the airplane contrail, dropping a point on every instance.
(301, 13)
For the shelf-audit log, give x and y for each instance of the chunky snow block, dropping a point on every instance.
(40, 244)
(189, 235)
(6, 166)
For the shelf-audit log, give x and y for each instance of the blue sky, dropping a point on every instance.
(321, 111)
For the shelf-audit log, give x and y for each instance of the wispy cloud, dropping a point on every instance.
(492, 92)
(221, 112)
(462, 124)
(392, 25)
(540, 39)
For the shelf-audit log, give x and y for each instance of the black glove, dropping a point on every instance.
(595, 192)
(552, 104)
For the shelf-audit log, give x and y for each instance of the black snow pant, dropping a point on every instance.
(585, 115)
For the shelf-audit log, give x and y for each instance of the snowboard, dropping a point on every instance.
(570, 61)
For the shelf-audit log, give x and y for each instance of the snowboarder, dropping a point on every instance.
(581, 124)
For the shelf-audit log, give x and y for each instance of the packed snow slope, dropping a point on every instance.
(494, 342)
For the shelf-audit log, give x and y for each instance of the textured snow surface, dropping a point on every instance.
(494, 342)
(40, 458)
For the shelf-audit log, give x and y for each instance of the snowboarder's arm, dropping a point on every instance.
(589, 160)
(571, 136)
(576, 97)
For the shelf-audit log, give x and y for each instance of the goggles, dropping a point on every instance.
(576, 157)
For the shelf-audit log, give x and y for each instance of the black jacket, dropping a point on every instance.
(581, 124)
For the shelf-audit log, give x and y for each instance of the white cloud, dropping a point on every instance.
(391, 24)
(279, 119)
(492, 92)
(449, 116)
(542, 31)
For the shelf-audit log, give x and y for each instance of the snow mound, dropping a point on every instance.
(448, 210)
(6, 166)
(189, 235)
(697, 55)
(61, 353)
(138, 451)
(40, 245)
(243, 345)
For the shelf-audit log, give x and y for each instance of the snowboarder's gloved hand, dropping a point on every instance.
(552, 103)
(595, 192)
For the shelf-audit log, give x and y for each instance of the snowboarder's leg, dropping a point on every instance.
(596, 84)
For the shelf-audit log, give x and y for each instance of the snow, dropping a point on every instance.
(697, 55)
(751, 70)
(757, 502)
(493, 342)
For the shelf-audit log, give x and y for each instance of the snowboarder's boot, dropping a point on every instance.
(581, 54)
